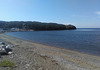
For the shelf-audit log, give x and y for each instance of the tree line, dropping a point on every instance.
(34, 25)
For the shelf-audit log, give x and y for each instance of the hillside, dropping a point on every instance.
(34, 25)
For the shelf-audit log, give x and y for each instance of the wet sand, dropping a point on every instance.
(33, 56)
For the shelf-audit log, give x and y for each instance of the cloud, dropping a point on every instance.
(98, 12)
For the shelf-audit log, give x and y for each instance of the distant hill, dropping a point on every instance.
(34, 25)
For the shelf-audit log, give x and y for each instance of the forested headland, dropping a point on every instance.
(34, 25)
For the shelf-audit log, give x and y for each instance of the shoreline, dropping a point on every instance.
(55, 46)
(65, 58)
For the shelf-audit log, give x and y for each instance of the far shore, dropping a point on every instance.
(45, 56)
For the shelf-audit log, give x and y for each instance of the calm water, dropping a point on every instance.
(82, 40)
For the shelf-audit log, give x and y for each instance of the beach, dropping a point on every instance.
(33, 56)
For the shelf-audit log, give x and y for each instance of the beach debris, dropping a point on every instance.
(5, 49)
(1, 43)
(10, 52)
(9, 46)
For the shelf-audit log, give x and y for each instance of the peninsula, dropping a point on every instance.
(33, 26)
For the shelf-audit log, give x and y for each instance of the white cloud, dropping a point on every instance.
(98, 12)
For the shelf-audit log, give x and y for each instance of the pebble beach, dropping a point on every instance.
(33, 56)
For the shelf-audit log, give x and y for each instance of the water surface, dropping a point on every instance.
(84, 40)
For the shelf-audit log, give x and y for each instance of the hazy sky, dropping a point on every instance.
(81, 13)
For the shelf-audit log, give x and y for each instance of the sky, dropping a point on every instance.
(81, 13)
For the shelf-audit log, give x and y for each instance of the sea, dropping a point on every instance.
(85, 40)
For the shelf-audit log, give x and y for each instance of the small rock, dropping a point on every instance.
(40, 68)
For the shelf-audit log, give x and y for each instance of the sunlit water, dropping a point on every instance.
(82, 40)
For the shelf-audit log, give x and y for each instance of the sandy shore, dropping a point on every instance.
(33, 56)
